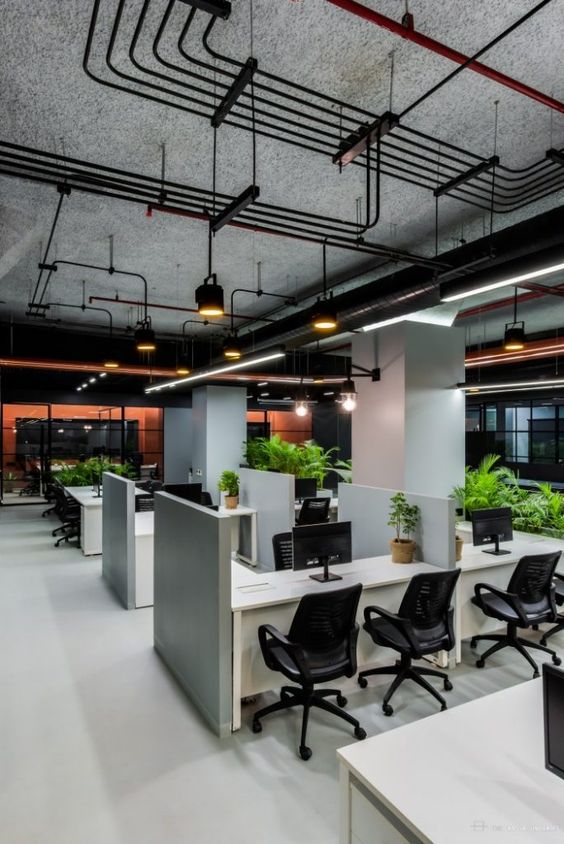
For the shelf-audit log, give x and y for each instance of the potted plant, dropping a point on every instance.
(10, 479)
(459, 543)
(404, 518)
(229, 484)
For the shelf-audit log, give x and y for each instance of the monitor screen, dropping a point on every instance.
(190, 492)
(305, 488)
(313, 544)
(553, 693)
(491, 523)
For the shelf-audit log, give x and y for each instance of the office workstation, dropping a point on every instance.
(281, 422)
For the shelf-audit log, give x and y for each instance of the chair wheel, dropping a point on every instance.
(535, 675)
(447, 686)
(543, 641)
(285, 697)
(341, 701)
(535, 627)
(480, 663)
(443, 707)
(387, 709)
(257, 727)
(473, 643)
(359, 733)
(556, 660)
(305, 752)
(362, 682)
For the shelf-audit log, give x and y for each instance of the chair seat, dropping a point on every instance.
(323, 666)
(385, 634)
(496, 607)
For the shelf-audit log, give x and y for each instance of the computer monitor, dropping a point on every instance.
(492, 525)
(305, 488)
(323, 544)
(553, 694)
(190, 492)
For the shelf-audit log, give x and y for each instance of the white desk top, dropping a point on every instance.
(471, 774)
(87, 498)
(473, 558)
(145, 523)
(240, 510)
(253, 589)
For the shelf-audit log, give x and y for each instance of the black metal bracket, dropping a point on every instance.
(234, 208)
(239, 84)
(64, 189)
(363, 372)
(482, 167)
(52, 268)
(363, 137)
(555, 156)
(217, 8)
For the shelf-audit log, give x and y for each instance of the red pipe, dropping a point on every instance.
(430, 44)
(503, 303)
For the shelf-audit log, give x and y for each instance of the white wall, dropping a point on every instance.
(219, 430)
(408, 428)
(177, 444)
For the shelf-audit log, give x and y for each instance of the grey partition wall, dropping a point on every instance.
(192, 603)
(272, 495)
(177, 444)
(118, 537)
(367, 508)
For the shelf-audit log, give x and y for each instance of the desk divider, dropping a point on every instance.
(272, 495)
(118, 537)
(192, 604)
(367, 508)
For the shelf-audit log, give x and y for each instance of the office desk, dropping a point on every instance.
(477, 567)
(247, 513)
(90, 517)
(483, 766)
(144, 555)
(272, 597)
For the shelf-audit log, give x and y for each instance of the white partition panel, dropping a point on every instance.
(272, 495)
(192, 603)
(367, 508)
(118, 537)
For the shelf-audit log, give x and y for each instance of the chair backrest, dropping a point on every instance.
(325, 620)
(283, 547)
(532, 580)
(206, 500)
(144, 503)
(314, 511)
(426, 603)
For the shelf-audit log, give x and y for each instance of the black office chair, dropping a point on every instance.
(206, 499)
(283, 547)
(422, 626)
(559, 598)
(528, 601)
(320, 646)
(314, 511)
(144, 503)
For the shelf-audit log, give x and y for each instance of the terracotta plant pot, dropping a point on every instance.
(402, 551)
(459, 545)
(231, 502)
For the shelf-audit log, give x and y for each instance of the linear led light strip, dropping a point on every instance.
(512, 280)
(509, 386)
(219, 370)
(508, 357)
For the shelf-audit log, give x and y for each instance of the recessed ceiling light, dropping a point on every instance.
(92, 380)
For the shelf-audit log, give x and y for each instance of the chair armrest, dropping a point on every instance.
(402, 624)
(293, 650)
(559, 576)
(510, 599)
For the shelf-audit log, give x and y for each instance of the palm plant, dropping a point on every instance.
(304, 460)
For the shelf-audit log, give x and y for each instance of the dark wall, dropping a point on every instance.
(332, 427)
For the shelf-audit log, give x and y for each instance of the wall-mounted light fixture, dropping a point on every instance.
(349, 395)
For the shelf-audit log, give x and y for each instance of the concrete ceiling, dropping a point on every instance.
(49, 103)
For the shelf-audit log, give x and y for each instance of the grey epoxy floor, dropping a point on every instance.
(98, 745)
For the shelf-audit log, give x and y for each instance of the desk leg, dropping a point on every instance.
(345, 832)
(458, 624)
(236, 672)
(254, 549)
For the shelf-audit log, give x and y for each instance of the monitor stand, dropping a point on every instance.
(327, 575)
(496, 551)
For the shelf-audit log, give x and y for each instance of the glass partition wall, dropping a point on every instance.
(40, 438)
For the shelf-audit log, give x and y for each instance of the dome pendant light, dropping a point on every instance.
(324, 317)
(514, 337)
(231, 348)
(145, 336)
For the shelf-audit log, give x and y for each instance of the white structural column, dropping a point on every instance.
(408, 428)
(219, 430)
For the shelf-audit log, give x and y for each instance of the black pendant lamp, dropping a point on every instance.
(514, 339)
(209, 297)
(231, 348)
(324, 316)
(145, 339)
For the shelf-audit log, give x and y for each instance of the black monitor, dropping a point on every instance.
(553, 694)
(492, 525)
(190, 492)
(323, 544)
(305, 488)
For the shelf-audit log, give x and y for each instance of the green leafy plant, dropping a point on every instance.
(304, 460)
(403, 517)
(229, 483)
(83, 474)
